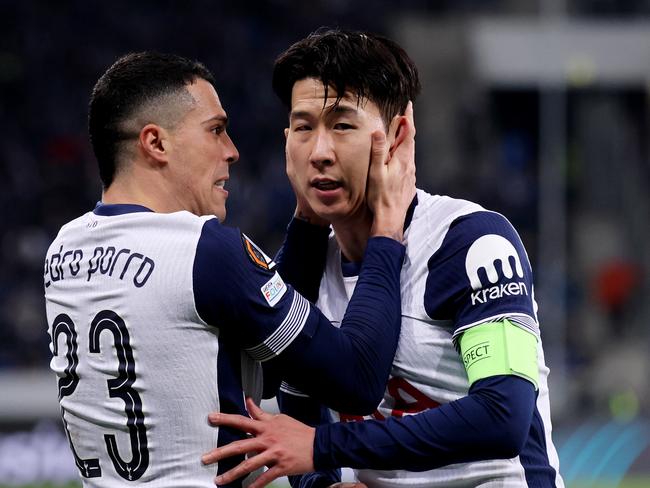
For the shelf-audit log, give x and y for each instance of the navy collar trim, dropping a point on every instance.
(410, 212)
(109, 210)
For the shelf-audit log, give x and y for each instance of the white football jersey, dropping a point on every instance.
(447, 288)
(138, 368)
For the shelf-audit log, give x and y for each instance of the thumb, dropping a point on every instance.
(255, 412)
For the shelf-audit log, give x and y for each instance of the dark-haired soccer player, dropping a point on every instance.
(467, 401)
(158, 313)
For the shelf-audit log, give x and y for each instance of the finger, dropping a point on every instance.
(242, 469)
(394, 127)
(235, 421)
(236, 448)
(267, 477)
(378, 151)
(256, 412)
(408, 113)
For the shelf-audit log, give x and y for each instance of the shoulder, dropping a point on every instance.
(458, 219)
(230, 246)
(69, 229)
(439, 211)
(433, 218)
(481, 235)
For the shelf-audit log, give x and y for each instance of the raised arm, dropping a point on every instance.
(345, 367)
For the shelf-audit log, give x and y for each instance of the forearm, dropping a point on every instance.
(301, 259)
(491, 422)
(347, 368)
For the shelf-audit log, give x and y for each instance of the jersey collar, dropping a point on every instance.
(111, 209)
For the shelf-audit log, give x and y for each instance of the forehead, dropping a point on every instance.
(309, 94)
(206, 101)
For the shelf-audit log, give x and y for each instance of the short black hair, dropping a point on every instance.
(133, 81)
(369, 65)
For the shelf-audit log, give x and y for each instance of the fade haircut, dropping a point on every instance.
(370, 66)
(138, 89)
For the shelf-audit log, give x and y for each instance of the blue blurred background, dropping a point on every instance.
(538, 109)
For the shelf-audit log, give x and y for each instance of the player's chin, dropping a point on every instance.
(218, 206)
(330, 212)
(221, 214)
(219, 210)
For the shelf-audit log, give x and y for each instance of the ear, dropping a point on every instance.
(154, 142)
(396, 132)
(286, 133)
(401, 127)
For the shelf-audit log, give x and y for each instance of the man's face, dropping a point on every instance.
(328, 149)
(201, 154)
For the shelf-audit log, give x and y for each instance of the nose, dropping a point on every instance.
(232, 154)
(322, 151)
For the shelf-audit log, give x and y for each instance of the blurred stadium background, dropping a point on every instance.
(539, 109)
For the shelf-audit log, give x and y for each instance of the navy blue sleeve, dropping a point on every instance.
(480, 272)
(308, 411)
(353, 361)
(301, 263)
(237, 288)
(301, 259)
(492, 422)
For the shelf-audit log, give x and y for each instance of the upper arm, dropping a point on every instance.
(480, 273)
(238, 289)
(480, 280)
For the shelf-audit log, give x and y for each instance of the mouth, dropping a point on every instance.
(326, 184)
(221, 185)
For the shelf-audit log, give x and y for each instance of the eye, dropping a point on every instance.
(219, 129)
(343, 126)
(302, 128)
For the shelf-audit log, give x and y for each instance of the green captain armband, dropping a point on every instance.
(497, 348)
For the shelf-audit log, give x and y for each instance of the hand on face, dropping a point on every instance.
(279, 442)
(391, 176)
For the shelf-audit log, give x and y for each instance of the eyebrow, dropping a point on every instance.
(217, 118)
(300, 114)
(343, 109)
(338, 109)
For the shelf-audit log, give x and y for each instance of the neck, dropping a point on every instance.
(352, 235)
(141, 189)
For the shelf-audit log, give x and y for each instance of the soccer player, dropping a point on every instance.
(467, 401)
(158, 313)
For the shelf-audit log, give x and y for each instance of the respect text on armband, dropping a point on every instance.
(109, 261)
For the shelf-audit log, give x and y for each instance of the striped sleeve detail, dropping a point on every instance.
(290, 327)
(524, 321)
(290, 390)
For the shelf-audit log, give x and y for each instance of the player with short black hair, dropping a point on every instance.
(467, 401)
(158, 313)
(136, 89)
(372, 66)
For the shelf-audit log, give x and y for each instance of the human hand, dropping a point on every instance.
(303, 209)
(391, 176)
(280, 442)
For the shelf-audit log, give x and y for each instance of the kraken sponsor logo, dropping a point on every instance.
(483, 254)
